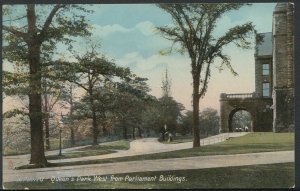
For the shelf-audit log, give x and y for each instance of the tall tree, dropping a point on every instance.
(27, 31)
(51, 94)
(193, 29)
(90, 72)
(170, 112)
(100, 109)
(151, 116)
(17, 84)
(68, 99)
(132, 97)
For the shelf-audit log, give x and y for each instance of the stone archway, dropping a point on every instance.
(231, 118)
(258, 107)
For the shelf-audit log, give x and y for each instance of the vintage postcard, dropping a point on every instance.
(148, 96)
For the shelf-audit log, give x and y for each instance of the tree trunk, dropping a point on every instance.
(125, 132)
(196, 133)
(133, 132)
(35, 106)
(72, 136)
(140, 132)
(47, 133)
(46, 121)
(94, 117)
(95, 127)
(104, 129)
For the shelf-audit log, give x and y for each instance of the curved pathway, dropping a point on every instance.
(199, 162)
(137, 147)
(152, 145)
(146, 146)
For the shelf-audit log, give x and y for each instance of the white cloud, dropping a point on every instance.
(106, 30)
(154, 62)
(224, 24)
(145, 27)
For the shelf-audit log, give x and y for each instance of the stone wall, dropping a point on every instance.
(259, 108)
(284, 112)
(283, 68)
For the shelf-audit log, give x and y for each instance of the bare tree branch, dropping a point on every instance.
(18, 18)
(15, 32)
(50, 18)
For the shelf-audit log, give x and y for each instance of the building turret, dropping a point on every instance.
(283, 67)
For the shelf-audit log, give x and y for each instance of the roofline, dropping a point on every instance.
(264, 32)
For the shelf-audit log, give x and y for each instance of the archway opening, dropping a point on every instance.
(240, 120)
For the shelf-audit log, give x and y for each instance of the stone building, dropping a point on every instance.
(272, 104)
(283, 67)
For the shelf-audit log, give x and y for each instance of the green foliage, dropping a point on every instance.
(193, 28)
(115, 145)
(91, 69)
(94, 150)
(170, 113)
(187, 123)
(209, 120)
(103, 103)
(13, 113)
(132, 104)
(30, 36)
(15, 83)
(55, 23)
(110, 90)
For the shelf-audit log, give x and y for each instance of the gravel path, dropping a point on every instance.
(137, 147)
(152, 145)
(199, 162)
(140, 147)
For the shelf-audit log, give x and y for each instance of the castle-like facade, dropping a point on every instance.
(272, 104)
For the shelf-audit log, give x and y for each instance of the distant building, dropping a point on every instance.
(272, 104)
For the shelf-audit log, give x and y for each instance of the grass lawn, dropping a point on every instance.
(54, 145)
(254, 176)
(250, 143)
(94, 150)
(182, 139)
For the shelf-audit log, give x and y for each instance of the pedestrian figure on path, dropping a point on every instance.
(170, 137)
(246, 128)
(10, 164)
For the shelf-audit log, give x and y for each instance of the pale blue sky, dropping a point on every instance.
(127, 35)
